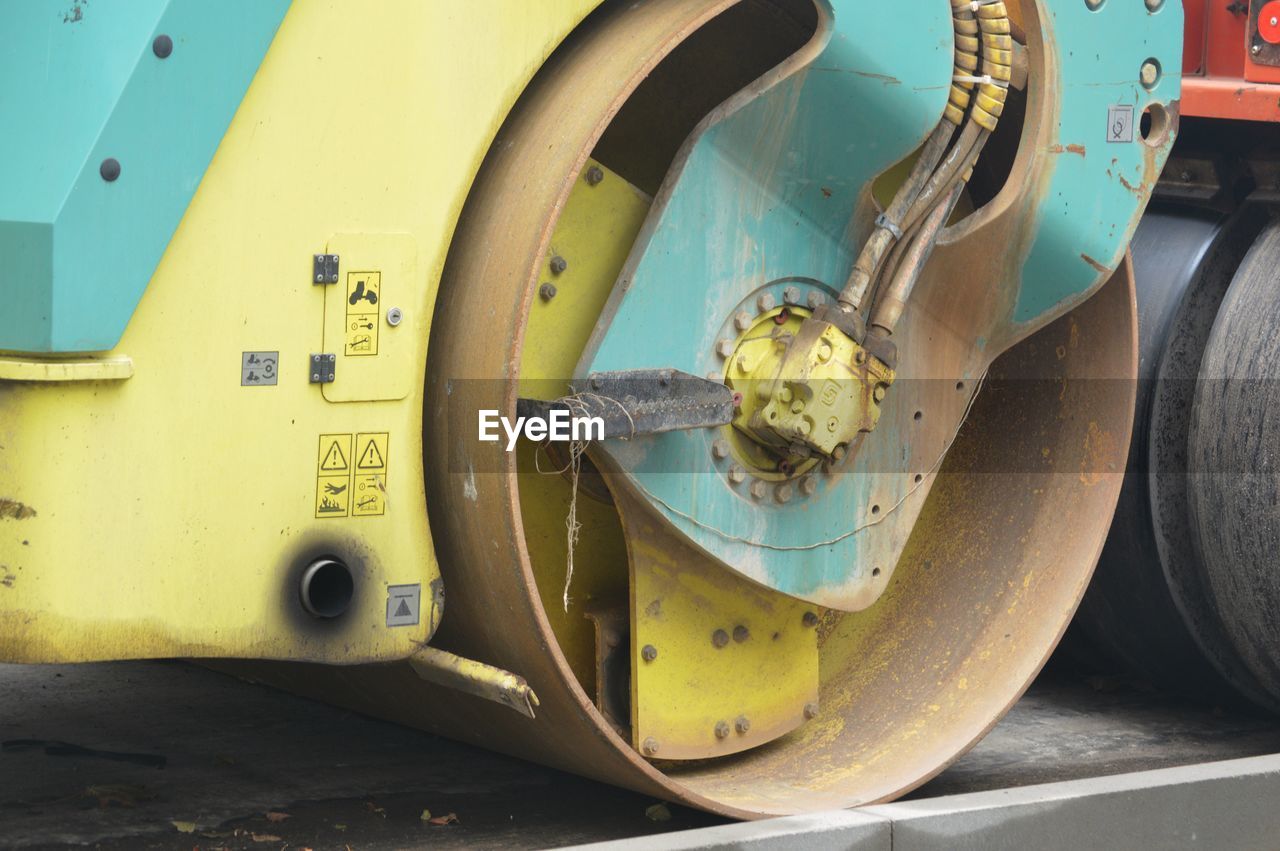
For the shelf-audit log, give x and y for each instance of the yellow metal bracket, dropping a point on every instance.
(116, 368)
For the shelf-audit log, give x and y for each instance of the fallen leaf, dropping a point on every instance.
(277, 817)
(374, 808)
(125, 796)
(447, 818)
(185, 826)
(339, 827)
(658, 812)
(426, 816)
(265, 837)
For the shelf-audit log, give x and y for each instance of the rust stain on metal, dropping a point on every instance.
(15, 510)
(1139, 190)
(1100, 452)
(1067, 149)
(1095, 264)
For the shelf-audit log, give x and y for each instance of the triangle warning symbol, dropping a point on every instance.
(334, 459)
(371, 458)
(403, 611)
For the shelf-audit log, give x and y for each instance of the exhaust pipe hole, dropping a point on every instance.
(326, 588)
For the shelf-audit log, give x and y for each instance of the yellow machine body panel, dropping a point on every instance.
(163, 499)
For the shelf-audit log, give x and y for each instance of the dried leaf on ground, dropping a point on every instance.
(265, 837)
(447, 818)
(185, 826)
(276, 818)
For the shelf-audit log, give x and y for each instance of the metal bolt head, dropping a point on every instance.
(791, 295)
(1256, 49)
(162, 47)
(110, 169)
(741, 633)
(650, 746)
(759, 489)
(719, 638)
(742, 724)
(737, 475)
(840, 451)
(720, 448)
(558, 264)
(1154, 5)
(394, 316)
(547, 291)
(648, 653)
(808, 486)
(815, 300)
(742, 320)
(810, 711)
(724, 348)
(594, 175)
(722, 729)
(824, 351)
(859, 357)
(765, 302)
(782, 493)
(315, 376)
(878, 393)
(1094, 5)
(810, 619)
(1149, 74)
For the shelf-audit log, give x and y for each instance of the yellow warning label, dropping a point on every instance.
(351, 476)
(364, 289)
(371, 453)
(335, 452)
(333, 495)
(370, 494)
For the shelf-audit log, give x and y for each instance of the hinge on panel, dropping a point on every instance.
(323, 368)
(324, 268)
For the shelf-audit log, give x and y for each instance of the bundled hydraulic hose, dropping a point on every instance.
(906, 232)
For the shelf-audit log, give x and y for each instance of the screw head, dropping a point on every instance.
(110, 169)
(737, 475)
(648, 653)
(720, 448)
(815, 300)
(650, 746)
(783, 493)
(742, 724)
(742, 320)
(722, 729)
(810, 711)
(741, 633)
(547, 291)
(878, 393)
(808, 486)
(1256, 49)
(1154, 5)
(765, 302)
(791, 295)
(759, 489)
(162, 46)
(810, 619)
(594, 175)
(724, 348)
(558, 264)
(394, 316)
(719, 638)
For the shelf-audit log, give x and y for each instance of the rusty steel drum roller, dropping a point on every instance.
(712, 669)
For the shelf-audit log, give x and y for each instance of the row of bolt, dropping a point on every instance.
(558, 264)
(742, 724)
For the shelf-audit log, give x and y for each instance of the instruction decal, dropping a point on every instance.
(259, 369)
(404, 603)
(363, 292)
(1120, 123)
(369, 484)
(351, 475)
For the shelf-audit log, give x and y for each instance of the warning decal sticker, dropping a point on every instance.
(347, 488)
(363, 292)
(403, 605)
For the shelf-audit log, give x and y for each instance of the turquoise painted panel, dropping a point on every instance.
(79, 83)
(1100, 183)
(777, 190)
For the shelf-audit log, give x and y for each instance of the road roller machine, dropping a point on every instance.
(726, 399)
(1186, 592)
